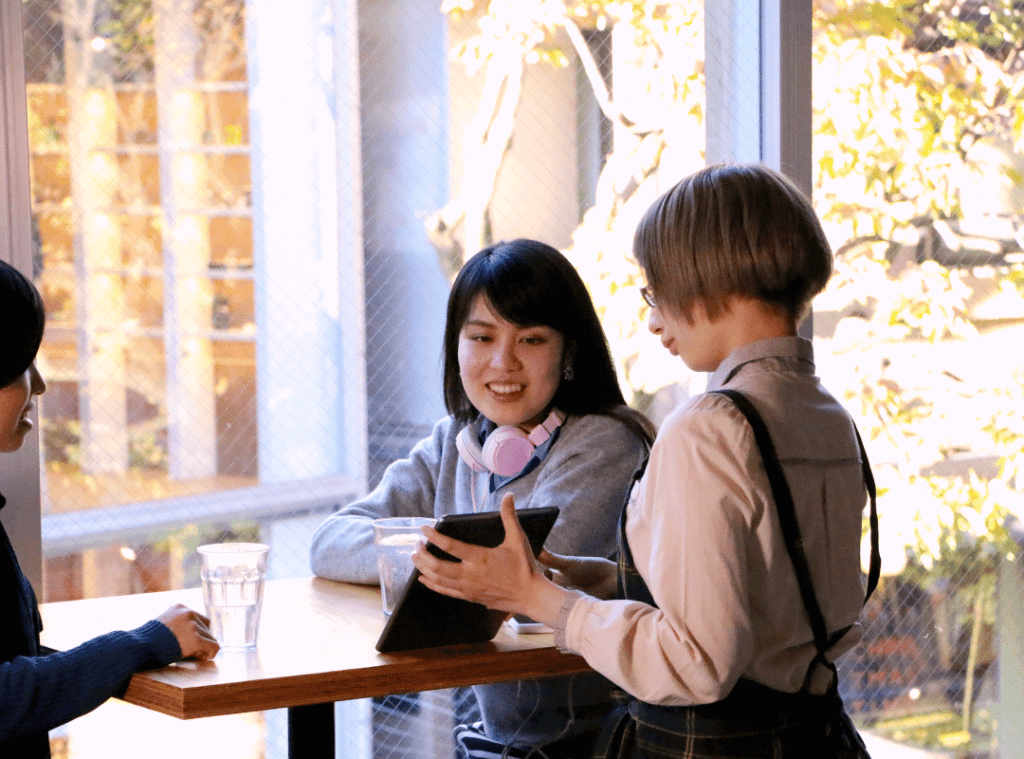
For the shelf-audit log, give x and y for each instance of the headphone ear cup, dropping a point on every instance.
(469, 449)
(506, 451)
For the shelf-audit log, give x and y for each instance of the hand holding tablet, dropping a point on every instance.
(424, 618)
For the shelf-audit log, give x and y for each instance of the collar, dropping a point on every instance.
(775, 347)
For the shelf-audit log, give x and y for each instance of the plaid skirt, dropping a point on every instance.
(753, 722)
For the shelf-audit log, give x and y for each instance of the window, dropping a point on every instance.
(244, 218)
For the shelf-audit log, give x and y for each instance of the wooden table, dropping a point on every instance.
(316, 646)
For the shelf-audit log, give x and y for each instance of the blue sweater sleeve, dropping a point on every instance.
(39, 693)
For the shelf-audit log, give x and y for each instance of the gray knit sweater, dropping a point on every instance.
(586, 473)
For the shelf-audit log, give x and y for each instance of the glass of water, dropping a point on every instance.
(397, 538)
(233, 577)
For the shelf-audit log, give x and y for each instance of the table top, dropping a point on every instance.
(316, 645)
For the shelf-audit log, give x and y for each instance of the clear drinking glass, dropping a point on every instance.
(397, 539)
(233, 577)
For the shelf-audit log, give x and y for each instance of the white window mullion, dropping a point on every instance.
(733, 64)
(758, 74)
(19, 472)
(786, 88)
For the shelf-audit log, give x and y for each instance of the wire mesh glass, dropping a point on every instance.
(246, 216)
(918, 156)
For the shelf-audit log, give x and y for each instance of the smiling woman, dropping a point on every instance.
(526, 360)
(510, 373)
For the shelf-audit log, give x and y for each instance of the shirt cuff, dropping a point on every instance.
(568, 602)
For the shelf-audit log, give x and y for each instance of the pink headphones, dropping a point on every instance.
(507, 450)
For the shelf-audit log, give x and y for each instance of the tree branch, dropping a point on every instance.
(486, 141)
(597, 85)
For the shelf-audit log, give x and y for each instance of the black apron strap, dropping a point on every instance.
(790, 528)
(875, 566)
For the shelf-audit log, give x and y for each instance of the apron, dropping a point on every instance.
(753, 721)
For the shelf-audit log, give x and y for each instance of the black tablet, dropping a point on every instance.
(424, 618)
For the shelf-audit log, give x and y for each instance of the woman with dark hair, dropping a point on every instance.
(41, 690)
(534, 410)
(529, 283)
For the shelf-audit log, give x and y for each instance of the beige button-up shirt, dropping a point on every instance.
(705, 537)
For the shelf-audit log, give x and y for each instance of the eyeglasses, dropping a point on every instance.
(648, 297)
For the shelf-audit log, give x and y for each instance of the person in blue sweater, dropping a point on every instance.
(40, 689)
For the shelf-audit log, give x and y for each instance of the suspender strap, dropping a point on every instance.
(875, 565)
(787, 517)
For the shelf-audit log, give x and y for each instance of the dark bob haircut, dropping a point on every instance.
(529, 284)
(23, 319)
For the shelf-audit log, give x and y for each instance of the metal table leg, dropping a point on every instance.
(311, 731)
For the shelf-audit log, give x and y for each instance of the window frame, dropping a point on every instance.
(19, 477)
(785, 143)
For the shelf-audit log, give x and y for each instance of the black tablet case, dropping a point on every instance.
(424, 618)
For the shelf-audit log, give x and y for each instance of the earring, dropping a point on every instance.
(567, 373)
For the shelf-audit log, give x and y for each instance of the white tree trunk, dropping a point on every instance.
(94, 180)
(188, 295)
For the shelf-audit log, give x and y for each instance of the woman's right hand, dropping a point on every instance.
(192, 630)
(594, 576)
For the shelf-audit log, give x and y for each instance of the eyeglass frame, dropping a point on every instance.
(648, 296)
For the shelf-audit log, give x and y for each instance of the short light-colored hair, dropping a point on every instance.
(733, 230)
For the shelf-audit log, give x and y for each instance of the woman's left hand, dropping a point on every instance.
(506, 577)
